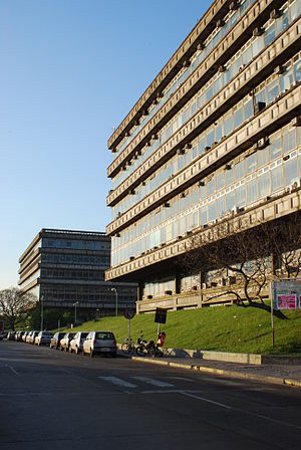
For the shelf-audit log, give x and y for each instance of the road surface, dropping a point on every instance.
(56, 401)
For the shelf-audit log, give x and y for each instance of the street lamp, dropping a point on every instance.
(42, 312)
(116, 300)
(75, 305)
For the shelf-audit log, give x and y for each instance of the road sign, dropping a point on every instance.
(129, 313)
(160, 316)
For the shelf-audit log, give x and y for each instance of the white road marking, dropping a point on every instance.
(222, 405)
(153, 382)
(118, 382)
(12, 369)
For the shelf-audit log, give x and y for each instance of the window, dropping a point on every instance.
(276, 177)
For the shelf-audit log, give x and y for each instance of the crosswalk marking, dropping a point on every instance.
(153, 382)
(119, 382)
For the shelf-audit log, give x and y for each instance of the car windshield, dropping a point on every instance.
(84, 335)
(103, 335)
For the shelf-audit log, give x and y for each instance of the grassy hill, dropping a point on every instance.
(230, 329)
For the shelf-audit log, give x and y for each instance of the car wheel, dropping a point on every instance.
(77, 351)
(91, 353)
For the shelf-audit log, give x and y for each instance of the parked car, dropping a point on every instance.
(3, 335)
(31, 337)
(25, 336)
(18, 335)
(28, 337)
(43, 338)
(100, 342)
(76, 344)
(65, 342)
(56, 339)
(11, 336)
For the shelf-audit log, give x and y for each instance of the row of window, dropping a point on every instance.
(75, 244)
(73, 274)
(75, 259)
(264, 95)
(241, 59)
(239, 185)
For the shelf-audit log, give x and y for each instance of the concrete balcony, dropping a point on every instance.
(285, 203)
(241, 32)
(269, 120)
(275, 55)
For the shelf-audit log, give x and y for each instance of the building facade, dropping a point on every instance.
(215, 137)
(65, 268)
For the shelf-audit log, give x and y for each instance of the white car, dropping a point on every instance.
(100, 342)
(76, 344)
(65, 342)
(43, 338)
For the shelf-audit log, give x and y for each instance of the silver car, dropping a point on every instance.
(76, 344)
(100, 342)
(43, 338)
(65, 342)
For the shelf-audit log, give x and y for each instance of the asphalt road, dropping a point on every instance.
(55, 401)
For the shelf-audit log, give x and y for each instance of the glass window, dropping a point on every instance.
(220, 180)
(230, 199)
(291, 171)
(229, 176)
(203, 215)
(289, 140)
(272, 91)
(219, 132)
(286, 80)
(240, 196)
(269, 35)
(210, 138)
(248, 109)
(228, 124)
(211, 187)
(211, 212)
(276, 178)
(252, 191)
(251, 163)
(220, 206)
(238, 117)
(264, 185)
(240, 170)
(275, 148)
(297, 71)
(263, 157)
(258, 45)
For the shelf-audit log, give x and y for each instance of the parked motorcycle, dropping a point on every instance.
(148, 348)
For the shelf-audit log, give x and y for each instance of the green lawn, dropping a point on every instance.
(230, 329)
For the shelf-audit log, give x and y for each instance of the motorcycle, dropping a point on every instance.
(148, 348)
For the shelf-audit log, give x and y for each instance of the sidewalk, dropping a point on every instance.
(283, 374)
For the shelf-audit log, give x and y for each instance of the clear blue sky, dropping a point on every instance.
(70, 71)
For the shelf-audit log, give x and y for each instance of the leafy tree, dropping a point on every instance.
(15, 305)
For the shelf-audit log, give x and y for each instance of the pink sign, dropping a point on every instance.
(287, 301)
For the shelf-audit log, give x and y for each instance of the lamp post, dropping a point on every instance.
(116, 300)
(42, 312)
(75, 305)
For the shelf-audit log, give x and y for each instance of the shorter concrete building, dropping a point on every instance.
(65, 269)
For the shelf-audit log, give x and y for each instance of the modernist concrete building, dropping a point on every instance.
(65, 268)
(215, 137)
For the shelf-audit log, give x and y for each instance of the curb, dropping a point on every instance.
(228, 373)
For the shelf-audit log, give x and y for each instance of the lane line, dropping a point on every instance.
(222, 405)
(12, 369)
(118, 382)
(153, 382)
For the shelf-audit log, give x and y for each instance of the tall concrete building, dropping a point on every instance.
(65, 268)
(215, 137)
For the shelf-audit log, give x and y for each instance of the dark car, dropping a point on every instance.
(55, 340)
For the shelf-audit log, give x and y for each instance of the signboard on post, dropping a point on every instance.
(129, 313)
(160, 316)
(285, 294)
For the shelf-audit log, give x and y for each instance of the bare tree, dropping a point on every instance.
(14, 305)
(253, 257)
